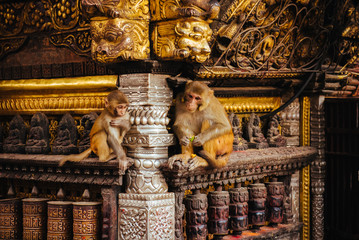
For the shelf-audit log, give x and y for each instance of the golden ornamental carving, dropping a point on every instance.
(11, 20)
(305, 119)
(11, 45)
(117, 39)
(182, 39)
(175, 9)
(268, 35)
(37, 16)
(28, 104)
(127, 9)
(305, 172)
(65, 14)
(80, 95)
(79, 41)
(250, 104)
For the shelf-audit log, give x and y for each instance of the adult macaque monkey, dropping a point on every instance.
(108, 131)
(201, 122)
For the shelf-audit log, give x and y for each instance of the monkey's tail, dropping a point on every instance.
(218, 162)
(75, 157)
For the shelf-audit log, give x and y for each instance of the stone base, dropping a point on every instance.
(258, 145)
(146, 216)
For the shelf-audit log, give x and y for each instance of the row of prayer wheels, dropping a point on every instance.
(235, 209)
(39, 218)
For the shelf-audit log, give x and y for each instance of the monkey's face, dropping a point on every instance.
(193, 101)
(120, 110)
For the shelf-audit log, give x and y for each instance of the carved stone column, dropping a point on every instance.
(318, 166)
(147, 209)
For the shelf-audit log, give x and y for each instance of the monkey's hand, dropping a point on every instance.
(197, 142)
(184, 141)
(120, 123)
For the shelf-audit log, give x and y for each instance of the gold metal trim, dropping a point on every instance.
(305, 173)
(88, 82)
(79, 95)
(250, 104)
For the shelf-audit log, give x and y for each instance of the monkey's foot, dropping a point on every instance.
(124, 164)
(197, 162)
(183, 158)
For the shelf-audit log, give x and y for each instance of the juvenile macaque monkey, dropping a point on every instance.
(201, 122)
(108, 131)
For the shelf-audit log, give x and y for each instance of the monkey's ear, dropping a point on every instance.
(106, 103)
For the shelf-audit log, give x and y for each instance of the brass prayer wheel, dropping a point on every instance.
(10, 218)
(86, 220)
(59, 220)
(34, 218)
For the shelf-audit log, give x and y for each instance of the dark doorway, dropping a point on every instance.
(342, 156)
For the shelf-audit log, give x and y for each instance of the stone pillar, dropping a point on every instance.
(146, 210)
(318, 166)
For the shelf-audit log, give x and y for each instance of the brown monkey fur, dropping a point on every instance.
(199, 114)
(107, 132)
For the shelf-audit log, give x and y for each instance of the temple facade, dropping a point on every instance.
(285, 72)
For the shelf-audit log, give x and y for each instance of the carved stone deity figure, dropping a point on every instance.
(254, 132)
(38, 141)
(275, 139)
(66, 140)
(239, 143)
(119, 30)
(87, 122)
(15, 142)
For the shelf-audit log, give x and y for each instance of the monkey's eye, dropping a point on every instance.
(198, 98)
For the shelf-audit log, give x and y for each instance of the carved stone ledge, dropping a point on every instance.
(243, 166)
(45, 168)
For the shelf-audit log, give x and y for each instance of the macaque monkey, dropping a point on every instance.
(202, 127)
(108, 131)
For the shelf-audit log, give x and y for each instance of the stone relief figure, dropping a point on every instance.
(239, 143)
(87, 121)
(66, 140)
(275, 139)
(256, 138)
(38, 141)
(15, 142)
